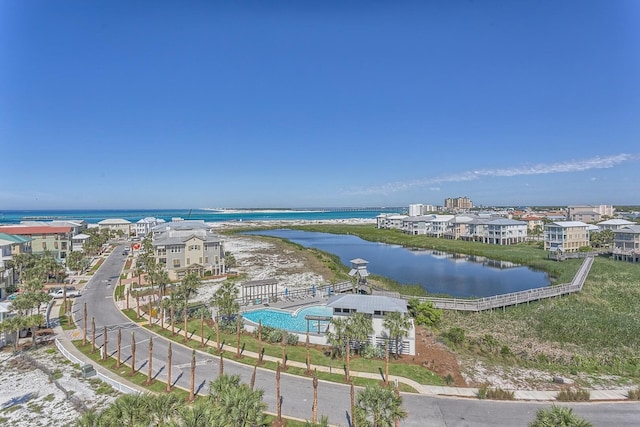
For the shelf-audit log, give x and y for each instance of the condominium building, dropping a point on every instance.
(116, 224)
(589, 213)
(458, 203)
(188, 247)
(44, 238)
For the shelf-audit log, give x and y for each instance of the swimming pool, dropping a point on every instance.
(294, 322)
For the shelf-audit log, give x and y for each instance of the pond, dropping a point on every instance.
(437, 272)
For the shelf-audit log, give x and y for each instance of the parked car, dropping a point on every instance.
(72, 292)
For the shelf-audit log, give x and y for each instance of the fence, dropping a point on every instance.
(513, 298)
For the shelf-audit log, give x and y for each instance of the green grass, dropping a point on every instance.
(66, 323)
(595, 331)
(564, 334)
(298, 353)
(119, 293)
(139, 378)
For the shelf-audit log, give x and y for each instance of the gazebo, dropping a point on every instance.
(257, 291)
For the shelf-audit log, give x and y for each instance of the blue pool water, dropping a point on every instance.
(294, 322)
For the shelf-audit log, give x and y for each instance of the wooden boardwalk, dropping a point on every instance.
(513, 298)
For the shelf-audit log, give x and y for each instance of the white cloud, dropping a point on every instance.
(538, 169)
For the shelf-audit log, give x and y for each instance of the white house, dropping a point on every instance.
(377, 306)
(144, 226)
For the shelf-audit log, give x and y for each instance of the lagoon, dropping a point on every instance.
(437, 272)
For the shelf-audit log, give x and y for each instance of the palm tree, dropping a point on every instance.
(162, 280)
(149, 360)
(164, 408)
(193, 376)
(378, 406)
(119, 347)
(169, 357)
(13, 324)
(398, 325)
(336, 335)
(128, 410)
(236, 404)
(32, 322)
(188, 288)
(198, 414)
(360, 327)
(224, 300)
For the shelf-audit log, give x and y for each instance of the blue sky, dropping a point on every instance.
(141, 104)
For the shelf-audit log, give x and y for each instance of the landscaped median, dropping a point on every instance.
(363, 371)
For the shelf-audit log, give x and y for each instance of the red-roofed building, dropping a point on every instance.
(56, 240)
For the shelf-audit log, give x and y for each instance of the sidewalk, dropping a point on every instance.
(65, 338)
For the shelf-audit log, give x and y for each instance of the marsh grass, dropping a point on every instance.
(497, 393)
(595, 331)
(573, 395)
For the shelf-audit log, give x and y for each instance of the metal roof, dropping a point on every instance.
(367, 303)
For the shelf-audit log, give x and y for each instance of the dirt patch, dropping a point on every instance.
(435, 357)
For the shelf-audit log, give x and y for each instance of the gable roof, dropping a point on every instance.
(114, 221)
(14, 238)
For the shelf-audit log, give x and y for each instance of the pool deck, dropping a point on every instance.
(291, 304)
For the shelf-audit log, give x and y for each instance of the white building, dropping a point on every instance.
(144, 226)
(377, 306)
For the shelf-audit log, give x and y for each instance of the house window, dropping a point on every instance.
(188, 261)
(44, 245)
(176, 263)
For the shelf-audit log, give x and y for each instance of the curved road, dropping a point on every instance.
(297, 392)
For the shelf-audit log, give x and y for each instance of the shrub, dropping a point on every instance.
(455, 335)
(292, 339)
(369, 351)
(558, 416)
(573, 395)
(634, 394)
(486, 392)
(275, 336)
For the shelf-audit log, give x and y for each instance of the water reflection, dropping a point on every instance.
(436, 271)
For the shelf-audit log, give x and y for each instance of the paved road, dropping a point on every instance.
(297, 392)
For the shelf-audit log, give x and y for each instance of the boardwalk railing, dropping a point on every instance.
(513, 298)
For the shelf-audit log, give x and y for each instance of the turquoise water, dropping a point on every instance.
(294, 322)
(134, 215)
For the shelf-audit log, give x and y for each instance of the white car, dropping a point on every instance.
(71, 292)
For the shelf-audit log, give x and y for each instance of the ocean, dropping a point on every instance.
(208, 215)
